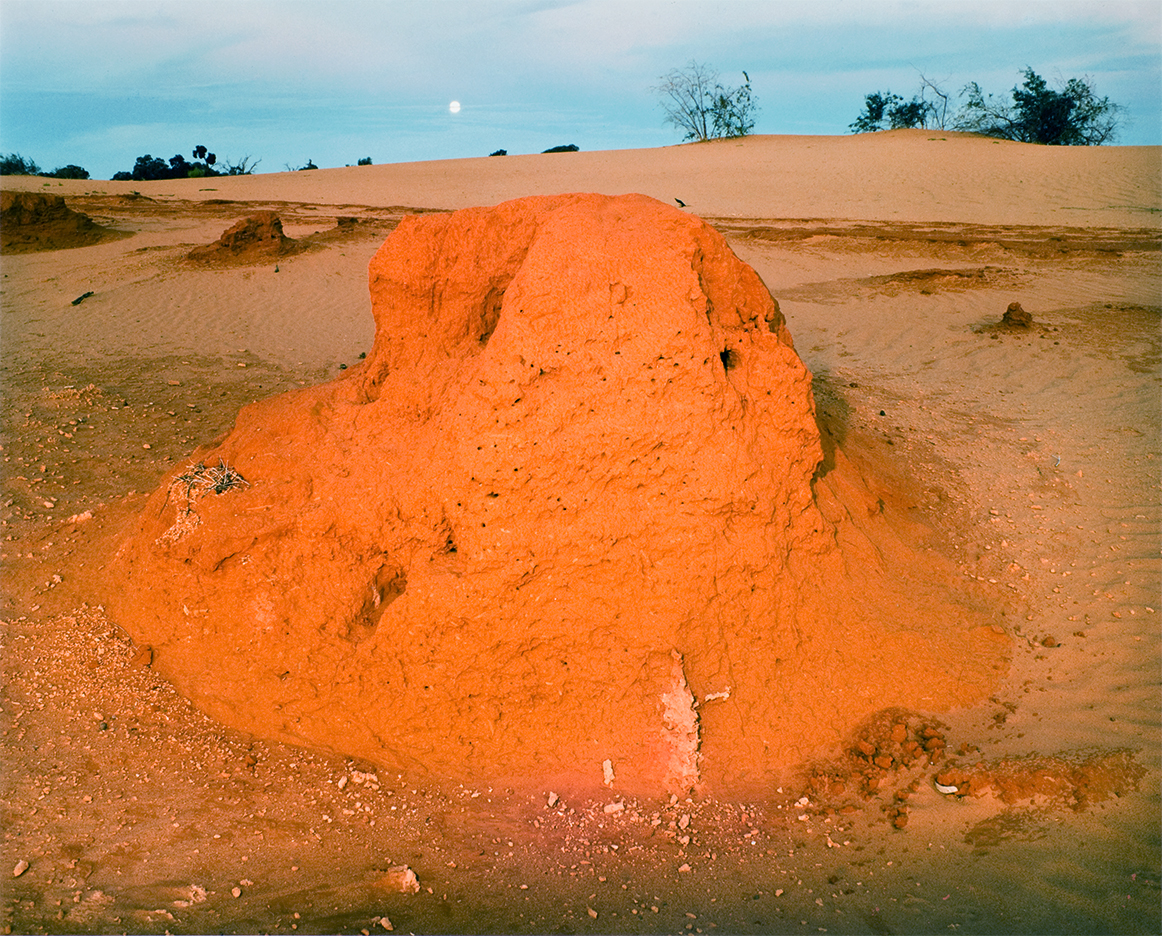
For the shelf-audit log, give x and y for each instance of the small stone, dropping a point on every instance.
(146, 445)
(553, 799)
(343, 781)
(610, 808)
(386, 924)
(684, 821)
(400, 879)
(21, 867)
(1016, 316)
(607, 770)
(592, 912)
(684, 869)
(236, 891)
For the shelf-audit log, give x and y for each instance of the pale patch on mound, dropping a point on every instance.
(571, 490)
(680, 724)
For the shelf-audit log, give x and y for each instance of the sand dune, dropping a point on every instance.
(907, 175)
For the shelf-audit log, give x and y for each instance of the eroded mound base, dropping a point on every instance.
(561, 526)
(256, 237)
(32, 221)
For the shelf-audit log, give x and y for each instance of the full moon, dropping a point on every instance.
(454, 107)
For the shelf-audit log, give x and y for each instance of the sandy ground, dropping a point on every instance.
(1033, 457)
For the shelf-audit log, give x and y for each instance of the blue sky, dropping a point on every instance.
(99, 83)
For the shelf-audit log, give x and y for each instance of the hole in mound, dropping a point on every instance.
(389, 583)
(490, 314)
(729, 358)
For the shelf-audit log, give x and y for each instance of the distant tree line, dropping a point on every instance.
(148, 167)
(1071, 116)
(15, 164)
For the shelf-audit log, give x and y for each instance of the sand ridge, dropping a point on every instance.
(902, 175)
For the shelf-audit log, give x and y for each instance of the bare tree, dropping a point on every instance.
(243, 167)
(938, 108)
(697, 104)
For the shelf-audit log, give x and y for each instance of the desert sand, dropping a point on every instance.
(1015, 467)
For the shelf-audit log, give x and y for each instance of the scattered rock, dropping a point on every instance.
(194, 894)
(1016, 317)
(1074, 782)
(399, 879)
(553, 800)
(21, 867)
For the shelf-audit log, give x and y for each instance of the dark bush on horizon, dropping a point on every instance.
(68, 172)
(365, 161)
(570, 148)
(150, 168)
(1072, 116)
(884, 110)
(499, 153)
(15, 164)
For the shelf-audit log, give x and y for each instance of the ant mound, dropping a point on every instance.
(33, 221)
(562, 526)
(253, 238)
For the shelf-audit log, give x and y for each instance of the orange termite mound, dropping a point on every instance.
(563, 526)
